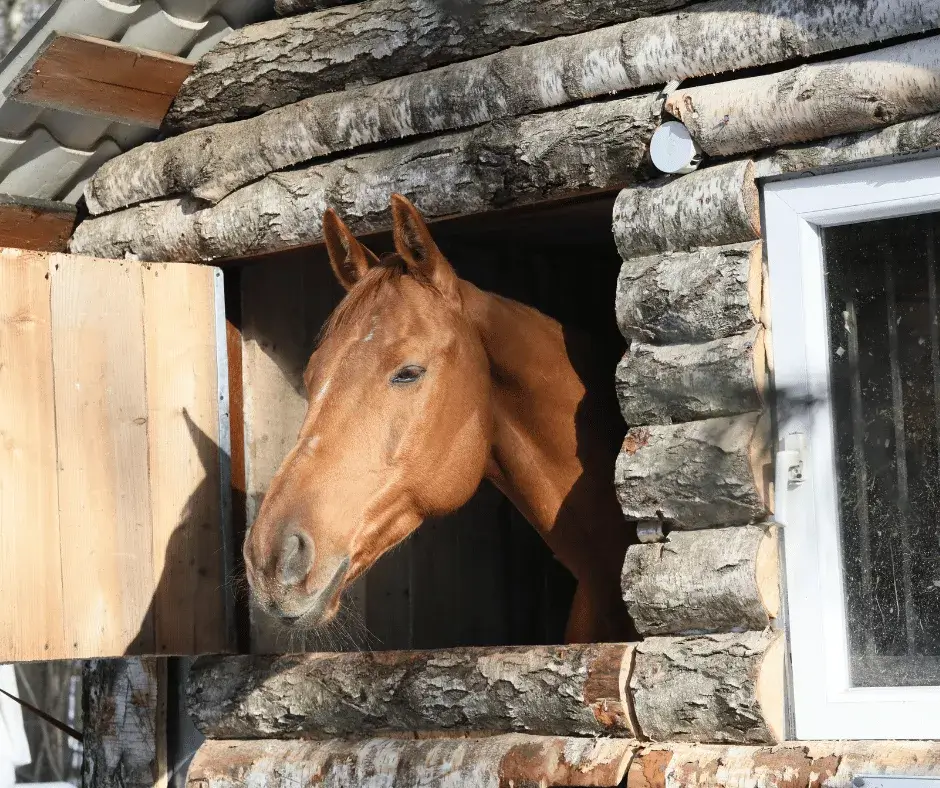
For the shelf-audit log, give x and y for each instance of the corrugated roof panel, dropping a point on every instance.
(154, 28)
(49, 153)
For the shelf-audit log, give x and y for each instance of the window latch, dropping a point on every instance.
(791, 458)
(789, 472)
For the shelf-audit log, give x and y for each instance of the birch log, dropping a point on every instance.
(125, 723)
(711, 207)
(803, 764)
(289, 7)
(817, 100)
(714, 580)
(908, 138)
(665, 384)
(595, 146)
(711, 38)
(711, 688)
(511, 761)
(704, 473)
(570, 690)
(682, 297)
(272, 64)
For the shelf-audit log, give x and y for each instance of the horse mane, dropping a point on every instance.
(361, 298)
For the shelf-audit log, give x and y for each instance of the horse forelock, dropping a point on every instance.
(360, 301)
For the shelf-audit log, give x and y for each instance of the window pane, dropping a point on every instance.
(881, 279)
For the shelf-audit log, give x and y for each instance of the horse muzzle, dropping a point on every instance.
(318, 607)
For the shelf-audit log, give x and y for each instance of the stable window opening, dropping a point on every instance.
(481, 576)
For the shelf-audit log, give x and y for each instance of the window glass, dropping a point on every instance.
(884, 343)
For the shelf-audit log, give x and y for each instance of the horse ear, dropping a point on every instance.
(349, 258)
(414, 243)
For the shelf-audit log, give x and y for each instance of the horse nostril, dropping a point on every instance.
(296, 558)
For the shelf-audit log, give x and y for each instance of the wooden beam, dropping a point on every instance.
(92, 76)
(578, 690)
(36, 225)
(496, 761)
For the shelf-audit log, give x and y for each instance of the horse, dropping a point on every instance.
(420, 386)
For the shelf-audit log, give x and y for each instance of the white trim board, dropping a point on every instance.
(826, 705)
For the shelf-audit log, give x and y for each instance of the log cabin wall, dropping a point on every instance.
(514, 107)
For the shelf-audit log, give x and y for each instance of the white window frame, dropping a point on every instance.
(826, 706)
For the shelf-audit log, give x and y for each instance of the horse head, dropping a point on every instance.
(398, 424)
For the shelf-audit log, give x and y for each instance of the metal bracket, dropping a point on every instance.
(789, 472)
(649, 531)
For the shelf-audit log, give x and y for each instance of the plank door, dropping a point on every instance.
(113, 458)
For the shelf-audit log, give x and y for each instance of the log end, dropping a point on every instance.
(750, 198)
(757, 281)
(606, 690)
(770, 687)
(767, 571)
(762, 467)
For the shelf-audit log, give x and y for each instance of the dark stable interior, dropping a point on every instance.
(481, 576)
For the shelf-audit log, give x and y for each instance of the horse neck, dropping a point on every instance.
(550, 454)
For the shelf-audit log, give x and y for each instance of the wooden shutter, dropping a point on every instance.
(113, 458)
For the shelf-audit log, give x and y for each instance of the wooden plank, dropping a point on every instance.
(39, 225)
(183, 426)
(93, 76)
(30, 567)
(125, 723)
(101, 420)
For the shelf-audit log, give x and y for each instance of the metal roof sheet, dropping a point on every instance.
(50, 154)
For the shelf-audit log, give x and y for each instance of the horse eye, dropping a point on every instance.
(408, 374)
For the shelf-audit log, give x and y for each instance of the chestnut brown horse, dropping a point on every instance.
(421, 386)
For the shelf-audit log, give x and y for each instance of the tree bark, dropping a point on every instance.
(910, 137)
(711, 688)
(712, 207)
(290, 7)
(817, 100)
(704, 473)
(714, 580)
(272, 64)
(804, 764)
(674, 383)
(124, 713)
(595, 146)
(511, 761)
(697, 296)
(570, 690)
(712, 38)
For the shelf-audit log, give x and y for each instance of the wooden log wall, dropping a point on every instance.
(691, 301)
(708, 38)
(520, 161)
(723, 688)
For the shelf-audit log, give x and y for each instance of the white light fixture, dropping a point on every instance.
(673, 150)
